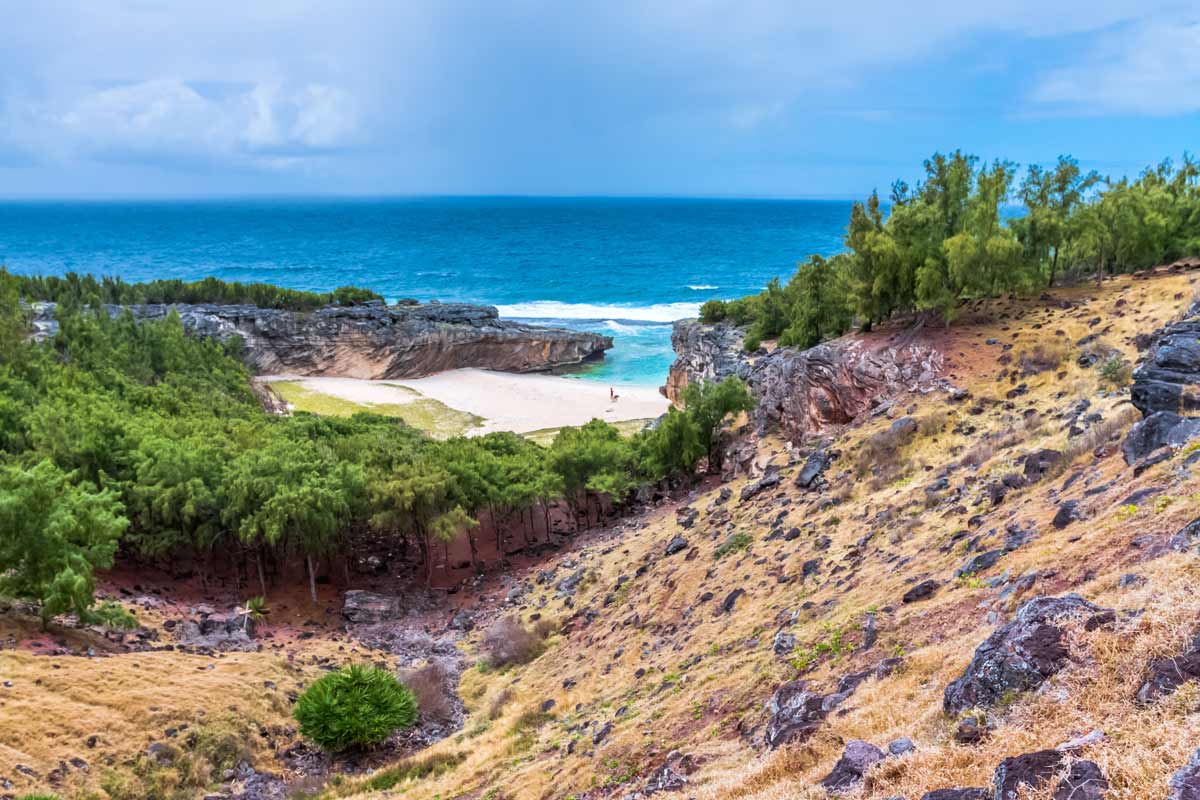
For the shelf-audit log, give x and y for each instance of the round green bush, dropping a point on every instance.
(356, 706)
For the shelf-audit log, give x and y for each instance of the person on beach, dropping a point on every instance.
(611, 395)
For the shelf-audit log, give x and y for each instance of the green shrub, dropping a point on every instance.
(712, 311)
(735, 543)
(356, 706)
(1116, 371)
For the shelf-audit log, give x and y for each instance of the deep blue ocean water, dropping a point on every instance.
(624, 267)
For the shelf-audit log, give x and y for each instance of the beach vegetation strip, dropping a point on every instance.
(423, 413)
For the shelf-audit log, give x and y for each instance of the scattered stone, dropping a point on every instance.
(676, 545)
(1039, 462)
(672, 775)
(731, 599)
(979, 563)
(1168, 674)
(795, 714)
(1084, 781)
(958, 794)
(922, 591)
(1022, 654)
(768, 481)
(784, 643)
(1080, 742)
(970, 730)
(161, 753)
(1185, 783)
(1068, 512)
(901, 746)
(857, 758)
(1029, 769)
(602, 734)
(686, 517)
(814, 465)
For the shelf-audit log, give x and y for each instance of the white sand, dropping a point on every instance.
(506, 401)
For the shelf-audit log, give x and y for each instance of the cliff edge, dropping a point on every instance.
(372, 341)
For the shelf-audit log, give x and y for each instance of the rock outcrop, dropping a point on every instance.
(372, 340)
(1166, 389)
(803, 391)
(1021, 655)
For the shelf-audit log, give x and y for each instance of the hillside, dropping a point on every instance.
(671, 631)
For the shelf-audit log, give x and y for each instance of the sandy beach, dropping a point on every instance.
(503, 401)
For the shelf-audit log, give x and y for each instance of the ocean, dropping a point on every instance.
(626, 267)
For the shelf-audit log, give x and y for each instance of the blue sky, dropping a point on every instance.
(706, 97)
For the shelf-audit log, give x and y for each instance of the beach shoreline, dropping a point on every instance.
(501, 401)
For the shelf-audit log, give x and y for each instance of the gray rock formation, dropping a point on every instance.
(362, 607)
(803, 391)
(372, 340)
(1166, 389)
(1185, 783)
(1021, 655)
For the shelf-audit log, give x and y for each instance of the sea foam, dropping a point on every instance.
(553, 309)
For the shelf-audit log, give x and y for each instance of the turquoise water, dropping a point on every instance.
(624, 267)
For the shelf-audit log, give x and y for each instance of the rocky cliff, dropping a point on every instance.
(1166, 389)
(373, 340)
(803, 391)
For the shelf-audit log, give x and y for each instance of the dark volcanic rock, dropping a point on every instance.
(802, 391)
(1067, 513)
(672, 775)
(979, 563)
(1160, 429)
(857, 758)
(768, 481)
(1084, 781)
(372, 341)
(676, 545)
(1020, 655)
(795, 714)
(1168, 674)
(1185, 783)
(1168, 375)
(974, 793)
(1030, 769)
(814, 465)
(922, 591)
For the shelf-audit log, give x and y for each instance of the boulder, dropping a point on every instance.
(672, 775)
(1185, 783)
(1160, 429)
(1166, 675)
(1039, 462)
(901, 746)
(365, 607)
(1031, 770)
(814, 465)
(795, 713)
(979, 563)
(677, 545)
(1068, 512)
(1019, 656)
(857, 758)
(768, 481)
(922, 591)
(1084, 781)
(1168, 374)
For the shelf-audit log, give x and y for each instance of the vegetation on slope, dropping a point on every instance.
(119, 436)
(951, 239)
(76, 289)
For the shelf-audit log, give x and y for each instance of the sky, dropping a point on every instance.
(770, 98)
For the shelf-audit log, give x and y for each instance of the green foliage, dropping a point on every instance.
(356, 706)
(733, 544)
(953, 238)
(1116, 371)
(77, 289)
(56, 532)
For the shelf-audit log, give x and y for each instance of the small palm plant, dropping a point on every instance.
(254, 609)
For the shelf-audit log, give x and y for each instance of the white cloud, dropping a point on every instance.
(1149, 68)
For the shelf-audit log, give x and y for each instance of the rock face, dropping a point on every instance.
(1185, 783)
(802, 391)
(1166, 675)
(1019, 656)
(857, 758)
(373, 340)
(364, 607)
(1166, 389)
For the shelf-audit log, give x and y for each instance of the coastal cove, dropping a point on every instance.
(619, 267)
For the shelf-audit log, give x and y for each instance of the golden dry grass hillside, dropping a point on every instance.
(654, 653)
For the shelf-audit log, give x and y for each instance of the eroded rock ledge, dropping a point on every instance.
(373, 341)
(803, 391)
